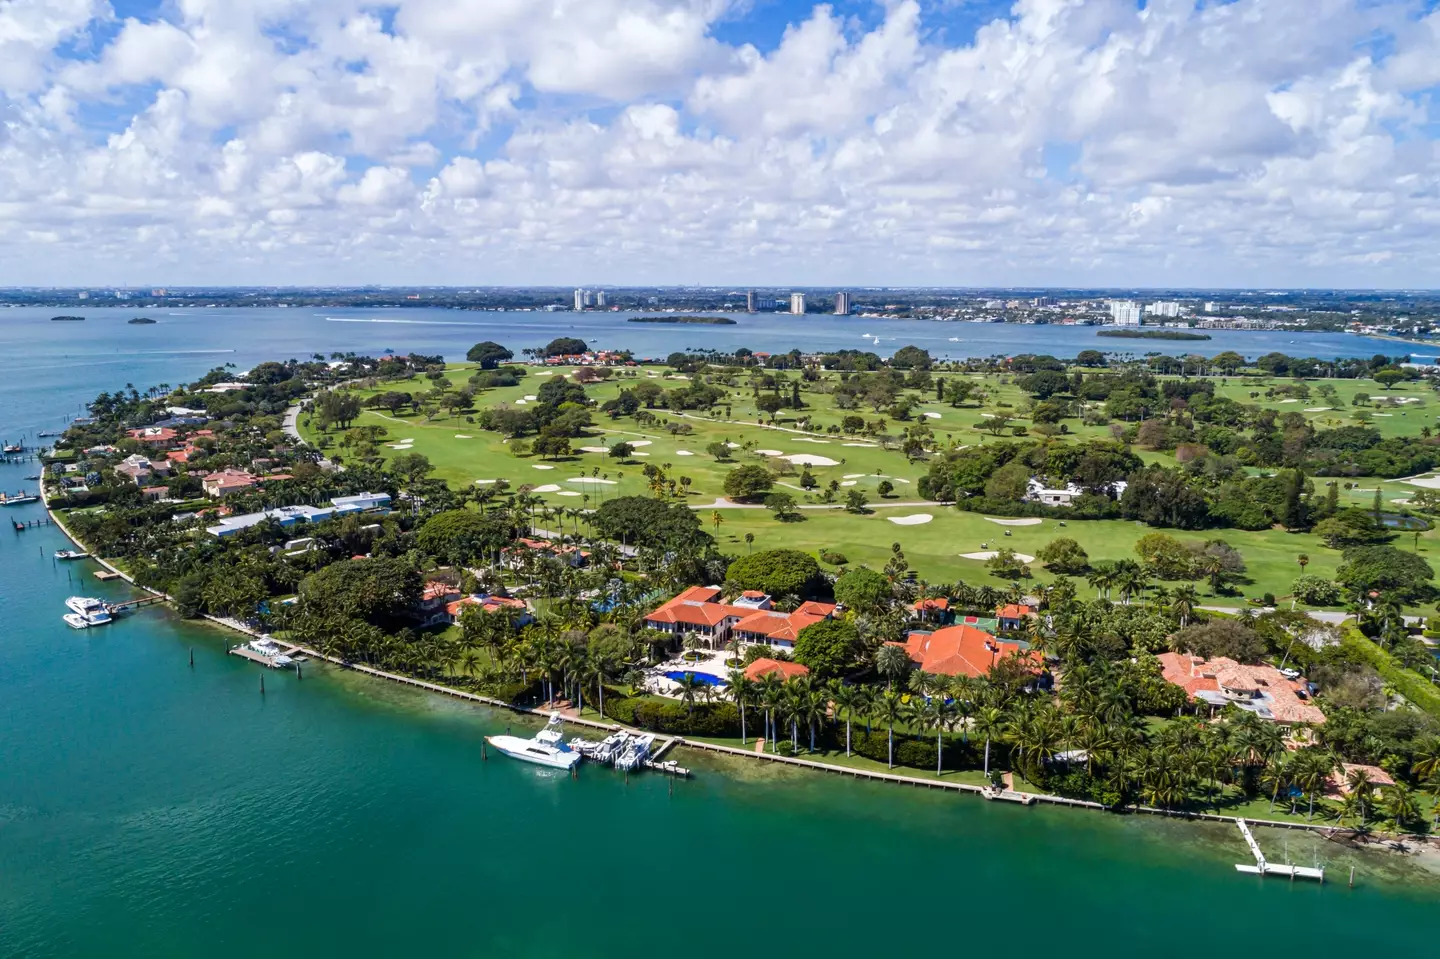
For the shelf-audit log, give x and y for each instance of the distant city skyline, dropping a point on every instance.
(753, 143)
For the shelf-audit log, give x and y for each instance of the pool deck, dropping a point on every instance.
(710, 661)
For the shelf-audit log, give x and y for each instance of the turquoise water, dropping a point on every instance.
(152, 809)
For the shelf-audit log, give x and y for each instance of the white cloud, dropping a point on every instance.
(1258, 141)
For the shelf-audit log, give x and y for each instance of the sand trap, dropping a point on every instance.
(933, 416)
(547, 488)
(1408, 399)
(900, 479)
(639, 442)
(1318, 409)
(1382, 414)
(848, 483)
(1032, 521)
(546, 373)
(733, 446)
(810, 439)
(1401, 502)
(485, 482)
(531, 397)
(988, 416)
(594, 449)
(918, 519)
(639, 454)
(1289, 401)
(1429, 482)
(542, 466)
(591, 481)
(770, 452)
(677, 376)
(463, 436)
(400, 446)
(568, 492)
(992, 553)
(810, 459)
(864, 446)
(521, 402)
(683, 453)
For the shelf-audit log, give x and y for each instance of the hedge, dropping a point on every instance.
(667, 716)
(1411, 685)
(909, 751)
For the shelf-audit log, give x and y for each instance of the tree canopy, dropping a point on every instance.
(775, 571)
(863, 589)
(565, 346)
(828, 647)
(748, 482)
(380, 591)
(1386, 569)
(643, 521)
(488, 354)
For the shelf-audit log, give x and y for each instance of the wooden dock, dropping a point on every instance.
(106, 575)
(133, 603)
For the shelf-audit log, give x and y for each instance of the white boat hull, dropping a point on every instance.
(76, 621)
(528, 751)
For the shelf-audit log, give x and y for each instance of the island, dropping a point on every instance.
(1153, 335)
(820, 550)
(701, 320)
(141, 321)
(67, 319)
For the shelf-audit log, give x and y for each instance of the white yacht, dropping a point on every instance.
(69, 554)
(546, 749)
(86, 612)
(268, 648)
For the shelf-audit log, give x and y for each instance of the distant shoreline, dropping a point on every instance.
(1153, 335)
(696, 320)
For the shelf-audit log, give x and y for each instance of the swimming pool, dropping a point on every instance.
(707, 678)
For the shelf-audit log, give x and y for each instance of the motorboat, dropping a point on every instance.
(548, 748)
(635, 753)
(86, 612)
(65, 555)
(270, 649)
(18, 499)
(13, 448)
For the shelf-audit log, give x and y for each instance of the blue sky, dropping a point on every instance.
(1104, 142)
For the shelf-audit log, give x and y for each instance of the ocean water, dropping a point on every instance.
(149, 808)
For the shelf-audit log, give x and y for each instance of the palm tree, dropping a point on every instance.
(1182, 603)
(689, 689)
(1360, 786)
(1400, 805)
(989, 723)
(848, 700)
(771, 691)
(814, 705)
(891, 662)
(933, 713)
(740, 689)
(716, 520)
(889, 708)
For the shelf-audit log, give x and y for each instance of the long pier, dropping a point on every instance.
(1264, 868)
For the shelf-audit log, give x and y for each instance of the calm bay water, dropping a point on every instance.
(148, 809)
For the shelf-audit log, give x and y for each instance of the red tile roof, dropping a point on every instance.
(1194, 675)
(925, 605)
(962, 650)
(1013, 611)
(766, 667)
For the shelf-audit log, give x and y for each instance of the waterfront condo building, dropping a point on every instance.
(842, 304)
(1125, 312)
(750, 301)
(797, 302)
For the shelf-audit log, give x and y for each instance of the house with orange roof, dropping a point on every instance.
(770, 627)
(516, 608)
(513, 557)
(1261, 690)
(1013, 616)
(433, 600)
(933, 610)
(784, 669)
(1339, 780)
(698, 610)
(964, 651)
(154, 435)
(223, 483)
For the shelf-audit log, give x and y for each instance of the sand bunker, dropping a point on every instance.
(1289, 401)
(463, 436)
(520, 402)
(1429, 482)
(591, 481)
(1384, 414)
(933, 416)
(639, 454)
(1318, 409)
(546, 373)
(1033, 521)
(918, 519)
(992, 553)
(770, 452)
(568, 492)
(848, 483)
(864, 446)
(542, 466)
(485, 482)
(639, 442)
(594, 449)
(810, 439)
(733, 446)
(547, 488)
(531, 397)
(810, 459)
(683, 453)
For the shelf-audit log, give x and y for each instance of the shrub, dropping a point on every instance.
(1315, 590)
(673, 717)
(909, 751)
(833, 557)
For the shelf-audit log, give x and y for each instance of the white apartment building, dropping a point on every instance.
(1125, 312)
(599, 297)
(1168, 308)
(797, 302)
(842, 304)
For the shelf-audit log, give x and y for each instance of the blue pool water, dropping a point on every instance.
(706, 678)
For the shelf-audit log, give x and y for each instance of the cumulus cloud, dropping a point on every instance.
(1067, 142)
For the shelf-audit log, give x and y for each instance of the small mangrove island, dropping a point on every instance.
(141, 321)
(1153, 335)
(67, 319)
(701, 320)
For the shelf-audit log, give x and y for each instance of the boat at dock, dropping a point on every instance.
(12, 448)
(635, 753)
(18, 499)
(548, 748)
(65, 555)
(275, 657)
(86, 612)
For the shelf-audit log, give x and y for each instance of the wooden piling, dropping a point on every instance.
(192, 657)
(262, 684)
